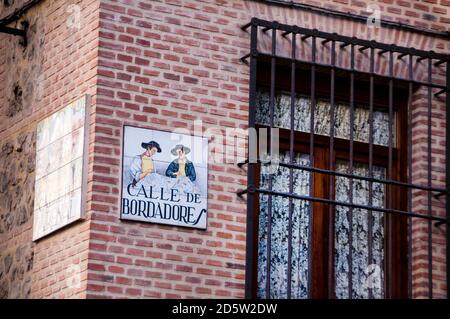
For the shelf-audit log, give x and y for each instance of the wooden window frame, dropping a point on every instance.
(322, 275)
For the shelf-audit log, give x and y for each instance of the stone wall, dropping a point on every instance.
(16, 211)
(57, 67)
(23, 82)
(7, 7)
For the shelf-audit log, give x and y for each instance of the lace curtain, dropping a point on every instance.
(279, 232)
(302, 118)
(366, 274)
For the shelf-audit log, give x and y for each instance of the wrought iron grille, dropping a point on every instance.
(353, 61)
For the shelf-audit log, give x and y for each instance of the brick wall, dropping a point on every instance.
(420, 227)
(162, 65)
(429, 14)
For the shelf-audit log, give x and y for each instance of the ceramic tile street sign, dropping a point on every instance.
(60, 166)
(164, 178)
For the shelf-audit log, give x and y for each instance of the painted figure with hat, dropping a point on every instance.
(142, 165)
(182, 170)
(181, 166)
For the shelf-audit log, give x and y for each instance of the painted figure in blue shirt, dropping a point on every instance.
(181, 166)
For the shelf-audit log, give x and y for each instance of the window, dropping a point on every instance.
(329, 227)
(335, 218)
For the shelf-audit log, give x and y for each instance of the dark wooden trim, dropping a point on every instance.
(320, 235)
(342, 83)
(399, 226)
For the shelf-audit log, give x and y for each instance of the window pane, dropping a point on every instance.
(367, 274)
(302, 117)
(280, 232)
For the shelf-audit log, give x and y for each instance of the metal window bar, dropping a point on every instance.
(369, 213)
(251, 216)
(388, 222)
(311, 158)
(410, 220)
(331, 179)
(430, 230)
(447, 170)
(431, 56)
(271, 111)
(350, 214)
(291, 160)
